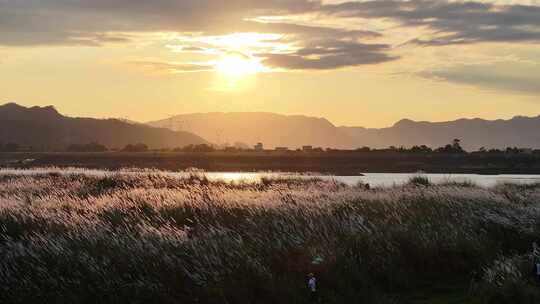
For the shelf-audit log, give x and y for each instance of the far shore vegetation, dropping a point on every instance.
(450, 158)
(452, 148)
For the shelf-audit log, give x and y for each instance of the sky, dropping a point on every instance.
(356, 63)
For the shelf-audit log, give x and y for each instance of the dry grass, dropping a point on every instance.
(86, 236)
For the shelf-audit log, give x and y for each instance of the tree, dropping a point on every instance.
(202, 148)
(90, 147)
(456, 145)
(453, 148)
(421, 149)
(512, 150)
(136, 148)
(364, 149)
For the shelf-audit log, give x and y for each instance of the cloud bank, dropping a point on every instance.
(310, 43)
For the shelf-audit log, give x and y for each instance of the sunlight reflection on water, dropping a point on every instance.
(385, 179)
(374, 179)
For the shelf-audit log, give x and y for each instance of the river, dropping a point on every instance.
(388, 179)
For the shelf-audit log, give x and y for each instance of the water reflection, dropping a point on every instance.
(384, 179)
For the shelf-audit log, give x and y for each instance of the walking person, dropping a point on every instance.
(312, 288)
(536, 259)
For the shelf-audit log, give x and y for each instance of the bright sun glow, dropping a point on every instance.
(238, 66)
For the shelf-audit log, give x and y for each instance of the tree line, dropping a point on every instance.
(9, 147)
(453, 147)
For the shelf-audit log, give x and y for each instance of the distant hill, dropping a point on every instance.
(273, 130)
(474, 133)
(294, 131)
(45, 128)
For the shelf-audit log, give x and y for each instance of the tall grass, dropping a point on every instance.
(419, 180)
(76, 236)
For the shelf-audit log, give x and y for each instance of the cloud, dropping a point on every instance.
(329, 54)
(69, 22)
(172, 67)
(304, 48)
(95, 22)
(98, 22)
(309, 43)
(512, 77)
(452, 22)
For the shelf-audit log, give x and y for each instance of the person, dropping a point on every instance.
(538, 271)
(312, 287)
(535, 250)
(536, 257)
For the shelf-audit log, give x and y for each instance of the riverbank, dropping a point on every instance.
(149, 237)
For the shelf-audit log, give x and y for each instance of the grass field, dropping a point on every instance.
(80, 236)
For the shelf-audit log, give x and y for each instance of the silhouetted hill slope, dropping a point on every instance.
(272, 129)
(475, 133)
(294, 131)
(45, 128)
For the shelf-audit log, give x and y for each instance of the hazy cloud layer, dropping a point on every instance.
(453, 22)
(98, 22)
(26, 22)
(38, 22)
(172, 67)
(510, 77)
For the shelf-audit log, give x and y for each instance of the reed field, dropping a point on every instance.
(145, 236)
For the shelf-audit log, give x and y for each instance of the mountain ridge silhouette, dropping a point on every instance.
(295, 131)
(44, 128)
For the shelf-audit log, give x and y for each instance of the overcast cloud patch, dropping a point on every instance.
(507, 77)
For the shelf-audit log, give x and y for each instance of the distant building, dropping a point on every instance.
(282, 149)
(259, 147)
(307, 148)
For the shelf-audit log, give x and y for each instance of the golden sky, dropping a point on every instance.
(357, 63)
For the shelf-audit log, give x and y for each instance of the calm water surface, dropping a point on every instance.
(374, 179)
(390, 179)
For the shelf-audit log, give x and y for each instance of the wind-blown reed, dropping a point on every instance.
(78, 236)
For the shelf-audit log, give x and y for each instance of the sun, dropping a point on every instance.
(238, 66)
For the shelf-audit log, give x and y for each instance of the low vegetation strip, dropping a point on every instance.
(150, 237)
(334, 162)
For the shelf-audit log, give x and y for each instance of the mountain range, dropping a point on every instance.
(293, 131)
(273, 130)
(45, 128)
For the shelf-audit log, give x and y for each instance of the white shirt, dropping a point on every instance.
(312, 284)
